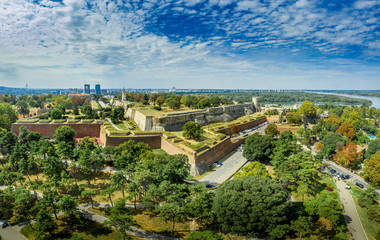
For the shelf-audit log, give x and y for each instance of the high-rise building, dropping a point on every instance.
(97, 88)
(87, 89)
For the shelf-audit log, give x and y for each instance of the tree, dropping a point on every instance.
(308, 109)
(303, 226)
(65, 134)
(271, 130)
(192, 130)
(200, 205)
(22, 107)
(205, 235)
(89, 194)
(117, 114)
(294, 118)
(119, 181)
(347, 130)
(44, 224)
(68, 204)
(250, 205)
(253, 169)
(349, 156)
(120, 217)
(319, 146)
(373, 147)
(56, 114)
(372, 169)
(330, 142)
(7, 116)
(257, 148)
(171, 212)
(173, 104)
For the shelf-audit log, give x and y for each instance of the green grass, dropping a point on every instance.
(370, 227)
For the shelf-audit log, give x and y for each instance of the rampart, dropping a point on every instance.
(244, 126)
(48, 129)
(175, 121)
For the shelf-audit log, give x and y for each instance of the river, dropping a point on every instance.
(375, 100)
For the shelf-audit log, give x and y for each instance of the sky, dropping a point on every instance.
(238, 44)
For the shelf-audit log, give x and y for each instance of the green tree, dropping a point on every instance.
(308, 109)
(56, 113)
(7, 116)
(22, 107)
(330, 143)
(303, 226)
(373, 147)
(120, 217)
(171, 212)
(372, 169)
(65, 134)
(89, 194)
(250, 205)
(254, 168)
(192, 130)
(119, 181)
(45, 225)
(271, 130)
(257, 148)
(200, 205)
(117, 114)
(294, 118)
(68, 204)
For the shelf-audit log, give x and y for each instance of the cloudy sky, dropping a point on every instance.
(304, 44)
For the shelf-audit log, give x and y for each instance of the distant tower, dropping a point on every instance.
(255, 101)
(87, 89)
(123, 98)
(97, 89)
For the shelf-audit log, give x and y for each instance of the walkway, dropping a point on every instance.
(351, 216)
(231, 164)
(113, 125)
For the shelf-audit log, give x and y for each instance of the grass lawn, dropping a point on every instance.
(159, 151)
(84, 229)
(370, 226)
(150, 222)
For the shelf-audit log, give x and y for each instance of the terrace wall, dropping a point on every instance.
(48, 129)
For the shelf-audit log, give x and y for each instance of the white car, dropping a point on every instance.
(348, 186)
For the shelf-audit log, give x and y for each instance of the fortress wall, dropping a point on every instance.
(175, 121)
(214, 154)
(48, 129)
(144, 122)
(244, 126)
(108, 140)
(171, 149)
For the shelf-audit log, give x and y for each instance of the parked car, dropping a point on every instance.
(219, 163)
(210, 186)
(359, 184)
(4, 224)
(345, 176)
(348, 186)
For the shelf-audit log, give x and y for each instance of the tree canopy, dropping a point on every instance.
(258, 148)
(192, 130)
(250, 205)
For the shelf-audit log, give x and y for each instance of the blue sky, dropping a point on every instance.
(277, 44)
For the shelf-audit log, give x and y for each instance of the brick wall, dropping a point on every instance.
(171, 149)
(214, 154)
(48, 129)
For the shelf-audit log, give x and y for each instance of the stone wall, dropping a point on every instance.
(244, 126)
(107, 139)
(48, 129)
(175, 121)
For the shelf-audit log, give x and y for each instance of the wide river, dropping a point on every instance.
(375, 100)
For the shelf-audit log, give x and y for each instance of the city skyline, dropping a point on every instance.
(194, 44)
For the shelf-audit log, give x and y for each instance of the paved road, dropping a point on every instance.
(350, 214)
(353, 177)
(231, 164)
